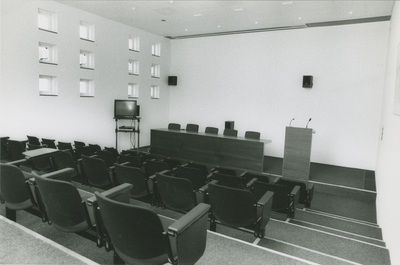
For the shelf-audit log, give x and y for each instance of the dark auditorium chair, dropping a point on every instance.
(95, 147)
(192, 127)
(64, 159)
(239, 208)
(142, 186)
(138, 235)
(42, 164)
(65, 206)
(83, 150)
(33, 140)
(172, 163)
(96, 172)
(176, 193)
(135, 161)
(193, 174)
(252, 135)
(14, 190)
(202, 167)
(211, 130)
(224, 170)
(66, 146)
(49, 143)
(3, 147)
(306, 189)
(79, 143)
(106, 156)
(227, 180)
(230, 132)
(154, 166)
(16, 149)
(174, 126)
(113, 151)
(285, 200)
(248, 176)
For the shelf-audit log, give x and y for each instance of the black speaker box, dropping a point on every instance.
(137, 110)
(172, 80)
(230, 125)
(307, 81)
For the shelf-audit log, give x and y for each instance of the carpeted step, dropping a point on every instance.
(338, 223)
(330, 244)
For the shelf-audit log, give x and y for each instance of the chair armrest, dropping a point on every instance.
(275, 180)
(165, 172)
(264, 208)
(251, 183)
(188, 219)
(126, 164)
(295, 194)
(117, 193)
(204, 189)
(17, 162)
(62, 174)
(243, 174)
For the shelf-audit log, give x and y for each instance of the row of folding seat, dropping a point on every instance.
(190, 127)
(136, 234)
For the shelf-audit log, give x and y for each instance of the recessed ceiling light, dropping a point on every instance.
(287, 3)
(197, 15)
(218, 26)
(351, 13)
(299, 17)
(256, 22)
(238, 9)
(186, 29)
(133, 8)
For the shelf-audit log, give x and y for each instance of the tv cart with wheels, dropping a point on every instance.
(128, 129)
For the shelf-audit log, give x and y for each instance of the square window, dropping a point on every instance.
(133, 90)
(155, 70)
(86, 88)
(86, 59)
(133, 67)
(156, 49)
(155, 92)
(47, 20)
(134, 44)
(47, 53)
(86, 31)
(48, 85)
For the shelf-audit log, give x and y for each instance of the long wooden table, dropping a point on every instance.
(219, 150)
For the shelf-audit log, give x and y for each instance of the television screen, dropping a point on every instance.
(125, 109)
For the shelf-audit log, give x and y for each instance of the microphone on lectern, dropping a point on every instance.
(290, 124)
(308, 123)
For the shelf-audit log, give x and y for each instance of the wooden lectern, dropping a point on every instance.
(297, 153)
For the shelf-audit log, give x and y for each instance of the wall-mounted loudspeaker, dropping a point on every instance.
(307, 81)
(230, 125)
(172, 80)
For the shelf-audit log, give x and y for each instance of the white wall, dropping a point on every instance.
(256, 81)
(388, 163)
(69, 117)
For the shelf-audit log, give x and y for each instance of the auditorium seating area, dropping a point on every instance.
(266, 218)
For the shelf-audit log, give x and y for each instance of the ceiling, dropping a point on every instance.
(184, 19)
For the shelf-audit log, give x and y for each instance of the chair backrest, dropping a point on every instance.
(34, 146)
(62, 201)
(83, 150)
(65, 159)
(79, 143)
(134, 161)
(13, 188)
(247, 176)
(106, 156)
(134, 176)
(95, 147)
(174, 126)
(194, 175)
(231, 206)
(64, 146)
(49, 143)
(33, 140)
(280, 200)
(96, 171)
(16, 149)
(202, 167)
(252, 135)
(172, 163)
(176, 193)
(154, 166)
(227, 180)
(290, 184)
(230, 132)
(226, 171)
(136, 232)
(113, 151)
(3, 146)
(192, 127)
(212, 130)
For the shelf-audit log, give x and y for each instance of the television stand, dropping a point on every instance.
(128, 129)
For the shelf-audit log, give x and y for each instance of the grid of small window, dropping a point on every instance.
(48, 85)
(47, 20)
(86, 88)
(86, 31)
(134, 44)
(86, 59)
(155, 92)
(133, 67)
(156, 49)
(48, 53)
(155, 70)
(133, 90)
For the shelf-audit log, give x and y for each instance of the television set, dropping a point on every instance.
(125, 109)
